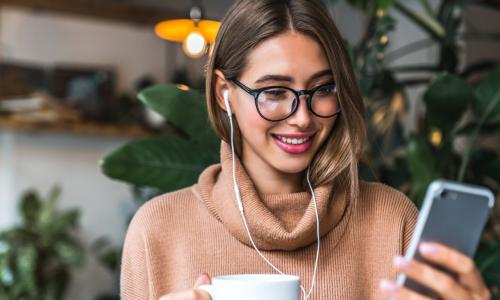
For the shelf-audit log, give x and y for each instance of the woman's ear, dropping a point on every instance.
(221, 85)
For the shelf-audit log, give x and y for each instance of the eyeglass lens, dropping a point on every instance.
(278, 103)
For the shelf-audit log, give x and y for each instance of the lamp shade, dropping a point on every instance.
(209, 29)
(177, 30)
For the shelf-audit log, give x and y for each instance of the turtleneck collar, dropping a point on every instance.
(276, 221)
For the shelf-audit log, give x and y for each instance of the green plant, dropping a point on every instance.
(456, 103)
(109, 257)
(169, 162)
(462, 105)
(36, 257)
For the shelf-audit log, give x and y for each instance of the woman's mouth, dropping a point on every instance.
(294, 143)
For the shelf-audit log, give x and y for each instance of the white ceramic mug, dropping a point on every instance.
(254, 287)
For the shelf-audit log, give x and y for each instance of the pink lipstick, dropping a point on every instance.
(294, 143)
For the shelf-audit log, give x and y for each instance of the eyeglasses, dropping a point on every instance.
(276, 103)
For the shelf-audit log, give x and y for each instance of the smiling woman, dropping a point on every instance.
(279, 65)
(285, 196)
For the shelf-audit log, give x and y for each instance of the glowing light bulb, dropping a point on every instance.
(194, 45)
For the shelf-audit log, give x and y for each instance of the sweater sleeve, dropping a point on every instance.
(134, 271)
(410, 221)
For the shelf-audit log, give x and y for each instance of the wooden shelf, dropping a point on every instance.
(77, 128)
(110, 10)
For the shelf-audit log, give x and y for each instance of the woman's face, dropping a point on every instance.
(293, 60)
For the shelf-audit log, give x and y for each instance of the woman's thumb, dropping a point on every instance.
(202, 279)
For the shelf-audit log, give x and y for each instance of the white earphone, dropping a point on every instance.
(225, 95)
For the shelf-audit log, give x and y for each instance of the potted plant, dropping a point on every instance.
(38, 255)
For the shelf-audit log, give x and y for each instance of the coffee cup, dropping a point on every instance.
(254, 287)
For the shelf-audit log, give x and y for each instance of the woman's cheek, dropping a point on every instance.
(326, 127)
(253, 125)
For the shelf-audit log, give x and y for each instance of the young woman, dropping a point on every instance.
(298, 119)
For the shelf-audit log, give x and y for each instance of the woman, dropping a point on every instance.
(298, 117)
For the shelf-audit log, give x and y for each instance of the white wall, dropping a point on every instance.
(51, 38)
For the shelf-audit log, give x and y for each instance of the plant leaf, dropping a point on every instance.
(6, 273)
(484, 163)
(426, 22)
(384, 4)
(30, 206)
(487, 105)
(166, 163)
(69, 252)
(365, 4)
(422, 166)
(485, 130)
(66, 220)
(446, 100)
(185, 109)
(26, 260)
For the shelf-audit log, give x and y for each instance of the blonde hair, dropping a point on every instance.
(249, 22)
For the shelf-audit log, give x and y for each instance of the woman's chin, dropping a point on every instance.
(292, 167)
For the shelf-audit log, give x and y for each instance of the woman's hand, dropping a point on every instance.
(468, 286)
(193, 294)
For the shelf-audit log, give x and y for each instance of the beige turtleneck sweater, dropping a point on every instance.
(176, 236)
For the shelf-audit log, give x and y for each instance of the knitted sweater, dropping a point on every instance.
(178, 235)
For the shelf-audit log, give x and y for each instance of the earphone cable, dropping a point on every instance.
(241, 209)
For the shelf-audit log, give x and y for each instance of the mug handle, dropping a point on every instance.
(207, 288)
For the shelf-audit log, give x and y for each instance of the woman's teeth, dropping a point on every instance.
(293, 141)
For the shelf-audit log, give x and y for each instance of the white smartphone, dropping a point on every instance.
(453, 214)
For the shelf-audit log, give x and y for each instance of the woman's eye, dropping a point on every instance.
(275, 94)
(327, 89)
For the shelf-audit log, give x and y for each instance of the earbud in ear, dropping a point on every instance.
(225, 95)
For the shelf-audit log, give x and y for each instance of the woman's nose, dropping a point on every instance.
(302, 116)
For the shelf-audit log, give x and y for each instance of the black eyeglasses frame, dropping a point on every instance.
(310, 92)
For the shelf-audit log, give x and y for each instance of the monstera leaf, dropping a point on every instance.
(168, 163)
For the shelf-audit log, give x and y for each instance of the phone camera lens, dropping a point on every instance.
(443, 194)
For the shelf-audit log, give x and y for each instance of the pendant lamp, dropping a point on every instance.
(195, 34)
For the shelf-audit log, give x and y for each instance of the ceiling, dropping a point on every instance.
(213, 9)
(144, 12)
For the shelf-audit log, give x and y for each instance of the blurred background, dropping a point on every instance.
(98, 100)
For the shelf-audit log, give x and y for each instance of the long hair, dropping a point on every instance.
(249, 22)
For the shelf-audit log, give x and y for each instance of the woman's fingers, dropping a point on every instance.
(391, 289)
(468, 274)
(187, 295)
(468, 286)
(202, 279)
(438, 281)
(194, 294)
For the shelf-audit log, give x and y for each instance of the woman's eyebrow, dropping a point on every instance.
(285, 78)
(274, 78)
(320, 74)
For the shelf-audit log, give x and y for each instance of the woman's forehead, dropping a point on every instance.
(290, 54)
